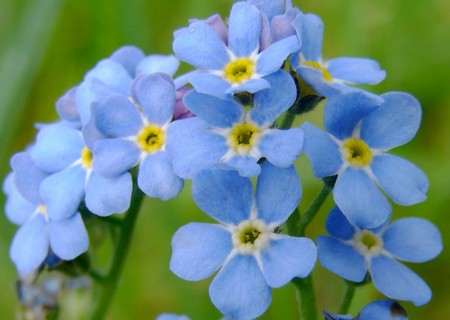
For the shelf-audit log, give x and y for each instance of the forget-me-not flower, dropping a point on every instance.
(377, 310)
(136, 134)
(251, 256)
(351, 252)
(223, 133)
(232, 60)
(361, 129)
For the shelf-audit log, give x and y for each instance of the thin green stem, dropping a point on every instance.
(313, 209)
(112, 278)
(288, 120)
(308, 307)
(347, 299)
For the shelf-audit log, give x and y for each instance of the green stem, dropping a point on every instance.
(287, 121)
(112, 278)
(313, 209)
(347, 299)
(308, 307)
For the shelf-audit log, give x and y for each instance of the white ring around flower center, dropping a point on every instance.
(251, 236)
(368, 243)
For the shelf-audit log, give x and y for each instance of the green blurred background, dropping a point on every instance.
(46, 46)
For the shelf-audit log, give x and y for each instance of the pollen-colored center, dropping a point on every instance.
(356, 152)
(86, 158)
(250, 236)
(151, 138)
(325, 73)
(239, 70)
(42, 209)
(367, 242)
(243, 137)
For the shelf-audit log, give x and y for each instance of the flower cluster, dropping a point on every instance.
(130, 127)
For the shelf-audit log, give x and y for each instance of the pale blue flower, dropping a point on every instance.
(377, 310)
(250, 255)
(352, 252)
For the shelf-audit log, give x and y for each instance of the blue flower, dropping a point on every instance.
(171, 316)
(360, 130)
(224, 134)
(250, 255)
(234, 64)
(136, 135)
(351, 252)
(61, 151)
(332, 76)
(377, 310)
(115, 75)
(67, 238)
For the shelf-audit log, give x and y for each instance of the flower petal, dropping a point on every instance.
(322, 151)
(244, 29)
(247, 166)
(356, 70)
(282, 147)
(252, 86)
(341, 259)
(29, 246)
(210, 84)
(128, 57)
(68, 237)
(296, 257)
(156, 95)
(394, 123)
(198, 250)
(382, 309)
(278, 192)
(270, 103)
(400, 179)
(413, 240)
(158, 63)
(224, 195)
(338, 226)
(215, 111)
(398, 282)
(113, 157)
(360, 200)
(156, 177)
(239, 290)
(312, 37)
(17, 209)
(272, 58)
(107, 196)
(211, 55)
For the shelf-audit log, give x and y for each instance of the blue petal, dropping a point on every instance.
(341, 259)
(211, 55)
(272, 58)
(66, 106)
(413, 240)
(192, 148)
(63, 192)
(29, 246)
(270, 103)
(296, 257)
(245, 165)
(322, 151)
(278, 193)
(314, 79)
(356, 70)
(239, 290)
(282, 147)
(400, 179)
(312, 37)
(338, 226)
(170, 316)
(216, 112)
(129, 57)
(224, 195)
(198, 250)
(27, 177)
(270, 8)
(394, 123)
(112, 74)
(343, 112)
(117, 117)
(17, 209)
(156, 95)
(252, 86)
(398, 282)
(91, 133)
(383, 309)
(156, 177)
(287, 24)
(113, 157)
(210, 84)
(360, 200)
(158, 63)
(244, 29)
(68, 237)
(107, 196)
(57, 146)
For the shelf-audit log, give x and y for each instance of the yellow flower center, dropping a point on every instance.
(239, 70)
(243, 137)
(251, 235)
(86, 158)
(367, 242)
(356, 152)
(42, 209)
(151, 138)
(326, 74)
